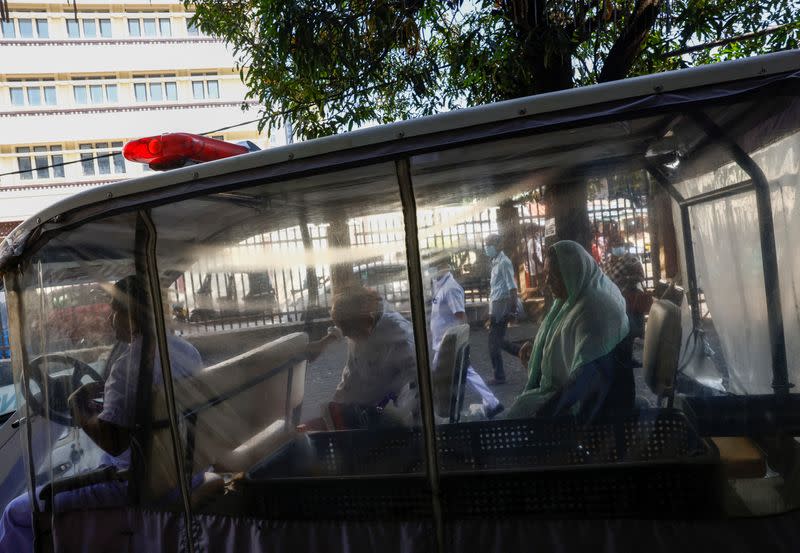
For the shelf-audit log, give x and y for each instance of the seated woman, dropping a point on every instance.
(573, 364)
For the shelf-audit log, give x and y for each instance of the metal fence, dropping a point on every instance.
(224, 299)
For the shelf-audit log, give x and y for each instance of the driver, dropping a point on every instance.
(109, 426)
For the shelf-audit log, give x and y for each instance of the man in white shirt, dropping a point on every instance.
(447, 311)
(502, 306)
(110, 426)
(381, 360)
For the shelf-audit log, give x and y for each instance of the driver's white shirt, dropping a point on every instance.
(122, 379)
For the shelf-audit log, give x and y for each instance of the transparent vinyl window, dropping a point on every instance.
(591, 358)
(487, 217)
(88, 338)
(296, 298)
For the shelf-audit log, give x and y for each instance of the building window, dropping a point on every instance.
(95, 158)
(89, 28)
(92, 28)
(202, 89)
(155, 89)
(33, 95)
(17, 96)
(73, 29)
(50, 95)
(134, 27)
(25, 28)
(95, 93)
(119, 161)
(105, 27)
(165, 27)
(150, 27)
(8, 29)
(47, 162)
(42, 28)
(111, 94)
(191, 28)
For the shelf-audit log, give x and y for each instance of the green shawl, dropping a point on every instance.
(586, 326)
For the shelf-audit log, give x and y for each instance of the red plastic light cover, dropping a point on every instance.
(168, 151)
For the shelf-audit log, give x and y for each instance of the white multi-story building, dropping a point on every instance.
(75, 87)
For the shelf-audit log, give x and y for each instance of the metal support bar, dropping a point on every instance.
(19, 363)
(663, 180)
(417, 294)
(156, 304)
(722, 193)
(769, 257)
(691, 269)
(141, 434)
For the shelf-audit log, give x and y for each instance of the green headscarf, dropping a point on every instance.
(586, 326)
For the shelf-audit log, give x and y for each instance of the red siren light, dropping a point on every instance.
(172, 150)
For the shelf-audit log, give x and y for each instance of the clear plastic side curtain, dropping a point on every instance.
(728, 255)
(293, 357)
(86, 318)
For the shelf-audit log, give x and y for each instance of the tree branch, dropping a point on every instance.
(629, 44)
(724, 41)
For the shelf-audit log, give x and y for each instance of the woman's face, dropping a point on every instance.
(554, 279)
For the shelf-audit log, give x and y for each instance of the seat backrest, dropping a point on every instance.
(662, 348)
(228, 404)
(449, 373)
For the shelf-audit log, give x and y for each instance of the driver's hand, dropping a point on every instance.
(78, 401)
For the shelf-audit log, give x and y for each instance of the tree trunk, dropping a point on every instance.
(339, 237)
(668, 254)
(511, 234)
(626, 49)
(567, 203)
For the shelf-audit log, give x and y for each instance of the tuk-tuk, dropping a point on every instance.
(231, 434)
